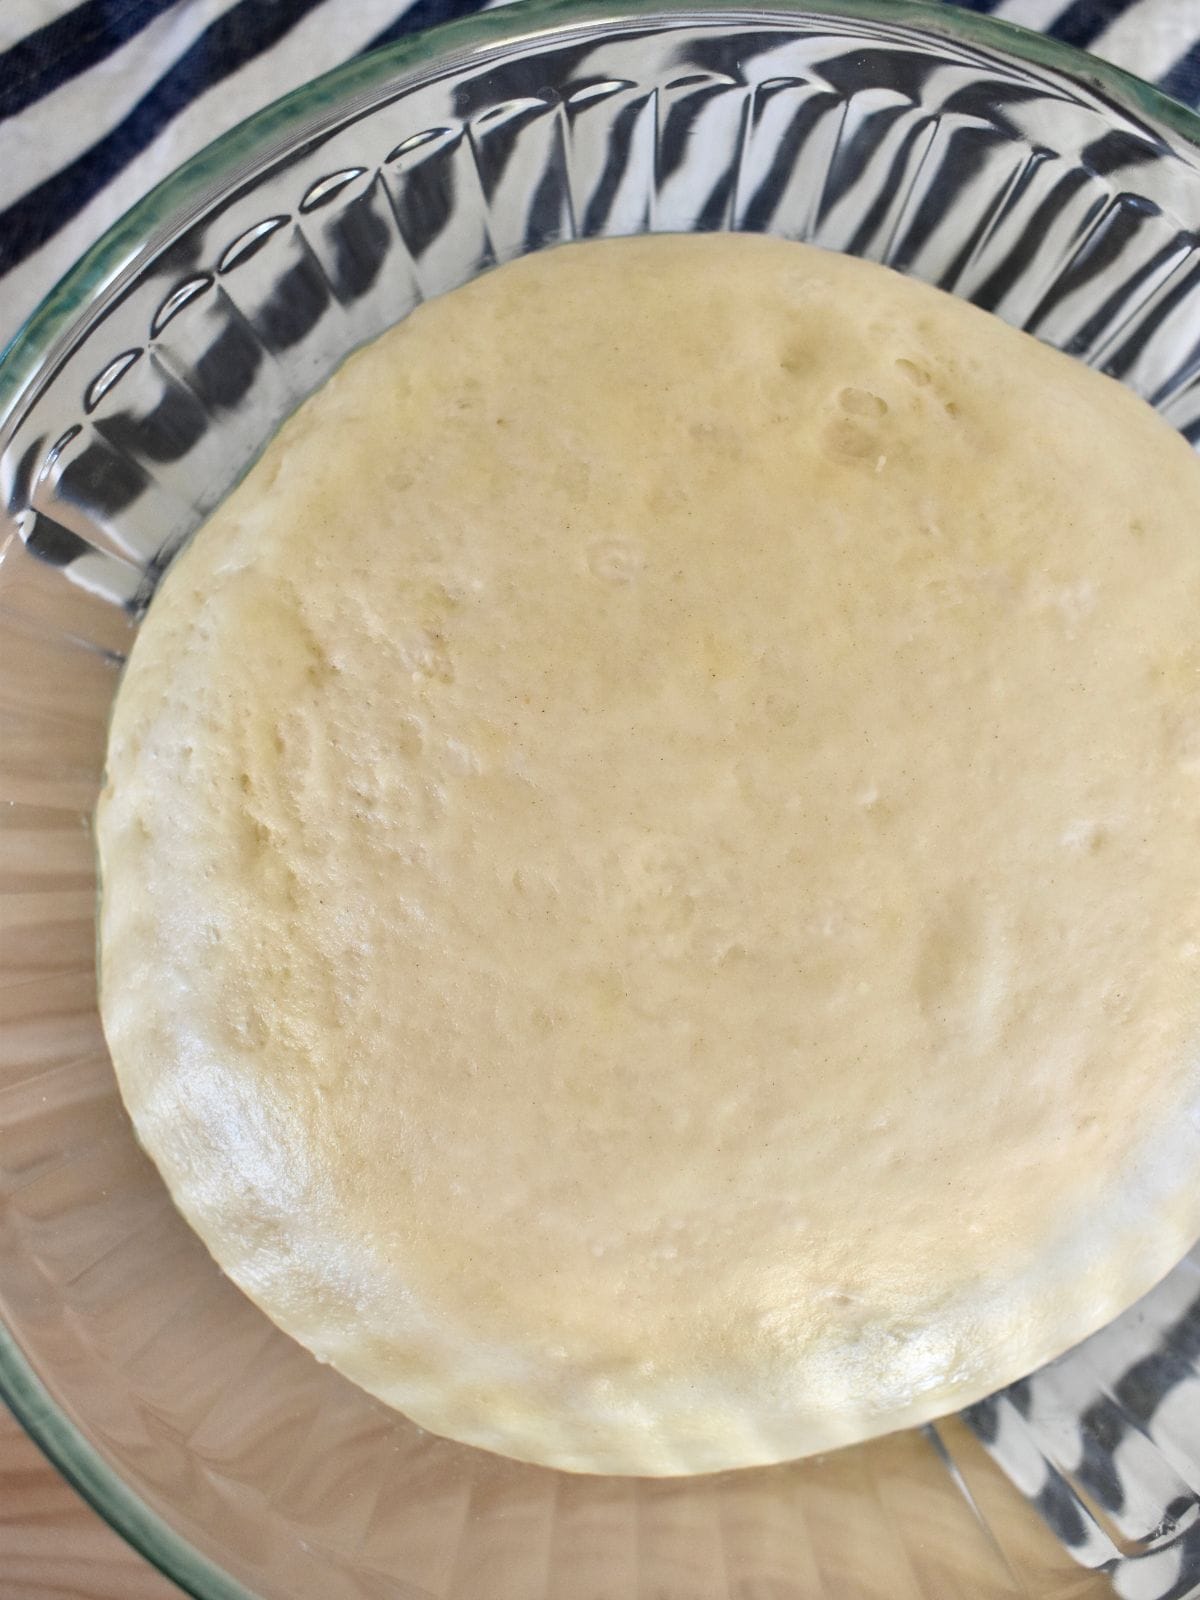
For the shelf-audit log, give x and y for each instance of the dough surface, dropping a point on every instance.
(651, 859)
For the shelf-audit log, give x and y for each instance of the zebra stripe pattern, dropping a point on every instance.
(101, 99)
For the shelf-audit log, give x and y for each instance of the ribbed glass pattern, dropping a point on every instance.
(1068, 202)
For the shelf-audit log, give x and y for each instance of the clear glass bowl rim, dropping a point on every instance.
(103, 271)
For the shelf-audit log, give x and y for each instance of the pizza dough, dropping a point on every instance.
(651, 859)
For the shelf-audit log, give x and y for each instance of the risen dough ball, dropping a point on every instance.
(652, 859)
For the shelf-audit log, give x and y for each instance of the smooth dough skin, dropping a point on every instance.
(652, 859)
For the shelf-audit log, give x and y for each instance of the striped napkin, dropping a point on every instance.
(99, 99)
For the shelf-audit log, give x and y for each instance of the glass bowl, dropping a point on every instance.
(1048, 187)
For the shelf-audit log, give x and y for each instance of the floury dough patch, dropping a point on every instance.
(651, 877)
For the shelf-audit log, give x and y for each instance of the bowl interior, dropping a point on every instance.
(945, 148)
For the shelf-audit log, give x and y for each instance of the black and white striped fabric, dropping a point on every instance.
(99, 99)
(1105, 1443)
